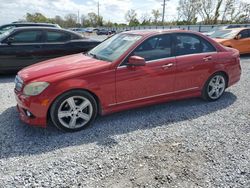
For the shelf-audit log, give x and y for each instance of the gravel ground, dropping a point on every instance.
(188, 143)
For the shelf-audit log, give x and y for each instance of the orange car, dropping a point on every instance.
(238, 38)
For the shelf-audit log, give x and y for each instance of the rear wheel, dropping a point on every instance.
(73, 111)
(214, 87)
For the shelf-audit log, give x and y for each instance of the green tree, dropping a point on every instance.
(36, 17)
(71, 20)
(94, 19)
(131, 18)
(156, 15)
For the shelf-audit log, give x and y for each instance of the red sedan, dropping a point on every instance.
(128, 70)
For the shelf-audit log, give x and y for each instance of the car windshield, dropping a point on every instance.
(216, 29)
(5, 34)
(5, 28)
(224, 34)
(112, 48)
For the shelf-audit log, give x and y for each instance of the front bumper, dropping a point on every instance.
(36, 105)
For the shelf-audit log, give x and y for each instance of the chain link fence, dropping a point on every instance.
(199, 28)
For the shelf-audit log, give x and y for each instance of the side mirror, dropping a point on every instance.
(9, 40)
(136, 61)
(238, 37)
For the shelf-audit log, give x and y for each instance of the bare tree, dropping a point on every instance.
(236, 11)
(209, 10)
(145, 19)
(228, 7)
(217, 12)
(156, 15)
(188, 11)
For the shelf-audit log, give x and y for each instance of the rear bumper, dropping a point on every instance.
(234, 79)
(235, 74)
(35, 106)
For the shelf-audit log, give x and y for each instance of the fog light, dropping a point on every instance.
(28, 113)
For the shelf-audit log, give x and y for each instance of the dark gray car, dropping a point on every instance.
(25, 46)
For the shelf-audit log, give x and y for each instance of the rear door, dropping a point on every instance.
(195, 57)
(22, 51)
(56, 44)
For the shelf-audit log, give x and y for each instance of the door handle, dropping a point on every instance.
(208, 58)
(167, 66)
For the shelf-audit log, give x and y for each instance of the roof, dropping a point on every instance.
(236, 29)
(45, 28)
(157, 31)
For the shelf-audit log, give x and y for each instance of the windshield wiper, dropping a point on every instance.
(97, 57)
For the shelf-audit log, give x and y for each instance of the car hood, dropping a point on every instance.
(78, 63)
(220, 40)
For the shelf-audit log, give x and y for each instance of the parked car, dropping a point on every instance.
(238, 38)
(215, 29)
(6, 27)
(91, 30)
(103, 32)
(130, 69)
(78, 30)
(25, 46)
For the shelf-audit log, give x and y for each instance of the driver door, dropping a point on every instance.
(155, 79)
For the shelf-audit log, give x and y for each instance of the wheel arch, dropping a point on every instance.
(225, 74)
(218, 72)
(97, 99)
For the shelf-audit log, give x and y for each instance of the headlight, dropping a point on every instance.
(35, 88)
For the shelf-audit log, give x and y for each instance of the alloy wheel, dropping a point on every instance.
(75, 112)
(216, 87)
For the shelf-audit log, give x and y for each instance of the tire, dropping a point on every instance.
(73, 111)
(215, 87)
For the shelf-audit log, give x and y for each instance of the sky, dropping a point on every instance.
(111, 10)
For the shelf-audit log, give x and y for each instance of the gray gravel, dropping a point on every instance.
(188, 143)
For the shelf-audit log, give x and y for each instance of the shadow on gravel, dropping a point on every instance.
(7, 78)
(18, 139)
(245, 57)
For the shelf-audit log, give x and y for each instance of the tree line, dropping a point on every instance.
(189, 12)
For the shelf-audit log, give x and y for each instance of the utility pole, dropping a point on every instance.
(78, 17)
(98, 13)
(163, 12)
(98, 9)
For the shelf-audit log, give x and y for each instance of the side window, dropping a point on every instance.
(191, 44)
(244, 34)
(157, 47)
(73, 37)
(53, 36)
(27, 37)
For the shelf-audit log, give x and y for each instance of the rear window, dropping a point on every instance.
(192, 44)
(53, 36)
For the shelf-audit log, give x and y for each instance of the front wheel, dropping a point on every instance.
(214, 87)
(73, 111)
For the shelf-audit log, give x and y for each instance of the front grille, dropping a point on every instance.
(18, 83)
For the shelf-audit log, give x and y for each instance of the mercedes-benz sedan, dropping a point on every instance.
(131, 69)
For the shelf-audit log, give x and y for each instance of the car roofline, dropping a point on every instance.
(42, 28)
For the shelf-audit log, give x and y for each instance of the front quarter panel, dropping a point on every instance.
(102, 85)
